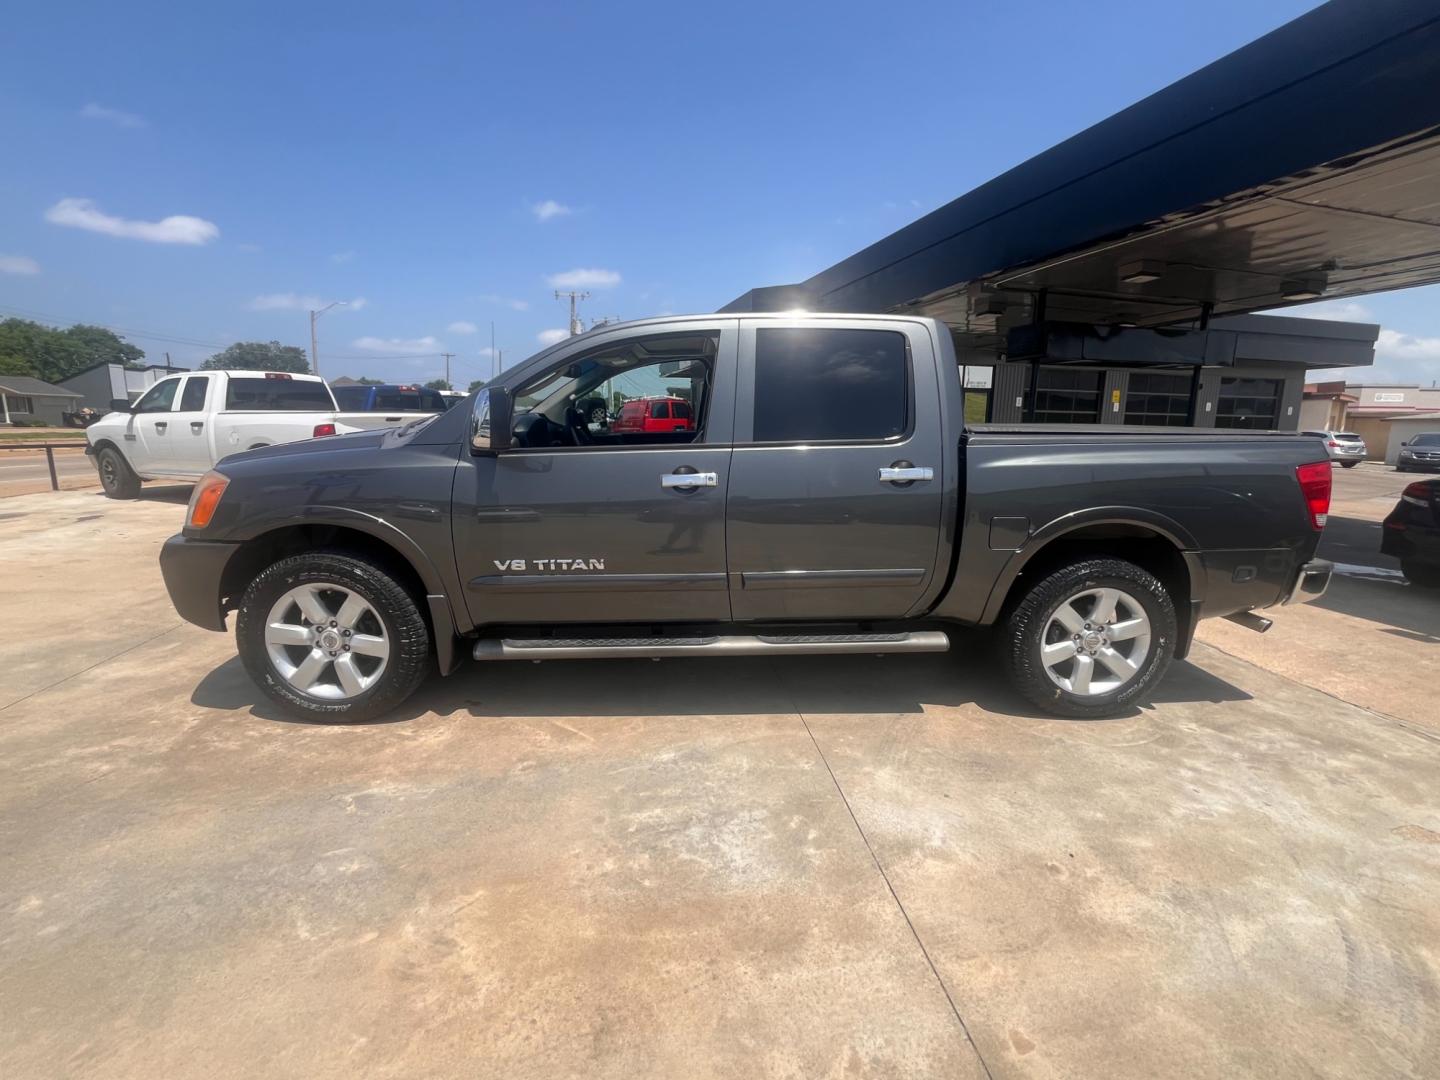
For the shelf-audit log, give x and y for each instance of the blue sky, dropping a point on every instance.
(203, 174)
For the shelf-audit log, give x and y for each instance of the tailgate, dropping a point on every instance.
(374, 421)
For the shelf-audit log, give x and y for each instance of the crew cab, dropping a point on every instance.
(367, 407)
(654, 414)
(828, 499)
(185, 423)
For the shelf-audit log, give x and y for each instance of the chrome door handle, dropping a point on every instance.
(161, 425)
(196, 425)
(689, 480)
(907, 474)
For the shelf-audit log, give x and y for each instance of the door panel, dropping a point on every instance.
(602, 533)
(812, 531)
(592, 536)
(147, 435)
(189, 437)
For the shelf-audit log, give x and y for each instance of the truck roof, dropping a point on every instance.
(245, 373)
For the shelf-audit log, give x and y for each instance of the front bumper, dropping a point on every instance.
(192, 571)
(1310, 582)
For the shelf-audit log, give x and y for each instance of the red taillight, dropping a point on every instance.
(1417, 493)
(1332, 442)
(322, 430)
(1314, 482)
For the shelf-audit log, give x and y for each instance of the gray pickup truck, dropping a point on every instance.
(823, 495)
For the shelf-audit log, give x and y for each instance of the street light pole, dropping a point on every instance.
(314, 354)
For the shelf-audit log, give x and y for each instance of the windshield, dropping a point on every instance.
(1430, 438)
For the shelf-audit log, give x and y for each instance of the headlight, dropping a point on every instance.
(205, 498)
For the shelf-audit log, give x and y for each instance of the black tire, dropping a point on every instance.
(116, 476)
(1024, 632)
(1425, 575)
(404, 624)
(1348, 464)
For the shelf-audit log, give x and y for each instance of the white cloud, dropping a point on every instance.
(176, 229)
(506, 301)
(1407, 348)
(18, 264)
(1332, 310)
(584, 278)
(290, 301)
(397, 346)
(342, 257)
(550, 337)
(461, 326)
(548, 209)
(118, 117)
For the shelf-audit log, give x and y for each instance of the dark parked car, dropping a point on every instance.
(825, 497)
(1412, 533)
(1422, 452)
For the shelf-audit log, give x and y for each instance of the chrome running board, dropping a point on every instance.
(928, 641)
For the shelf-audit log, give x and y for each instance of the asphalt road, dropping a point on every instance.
(25, 471)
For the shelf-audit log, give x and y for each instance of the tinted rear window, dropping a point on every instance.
(1346, 436)
(814, 385)
(681, 409)
(397, 400)
(351, 398)
(278, 395)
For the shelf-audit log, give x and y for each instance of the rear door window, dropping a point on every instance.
(193, 397)
(658, 410)
(830, 385)
(248, 394)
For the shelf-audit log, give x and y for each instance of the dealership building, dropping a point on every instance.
(1115, 278)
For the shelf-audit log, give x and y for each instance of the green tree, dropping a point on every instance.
(365, 380)
(259, 356)
(13, 365)
(476, 385)
(438, 384)
(53, 354)
(103, 346)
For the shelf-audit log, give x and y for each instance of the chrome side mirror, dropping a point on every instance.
(490, 420)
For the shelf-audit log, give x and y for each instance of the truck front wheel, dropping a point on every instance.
(1091, 638)
(116, 476)
(332, 637)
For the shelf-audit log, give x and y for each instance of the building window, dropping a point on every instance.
(826, 385)
(1253, 404)
(1067, 396)
(18, 404)
(1158, 398)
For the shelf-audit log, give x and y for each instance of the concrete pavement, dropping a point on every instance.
(816, 867)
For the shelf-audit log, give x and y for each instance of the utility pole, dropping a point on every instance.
(314, 355)
(576, 326)
(167, 363)
(447, 356)
(494, 364)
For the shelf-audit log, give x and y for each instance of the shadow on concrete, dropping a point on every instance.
(1354, 541)
(881, 685)
(1403, 609)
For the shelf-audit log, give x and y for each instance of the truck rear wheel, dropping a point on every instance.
(332, 637)
(1089, 639)
(116, 476)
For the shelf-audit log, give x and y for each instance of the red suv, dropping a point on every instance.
(654, 414)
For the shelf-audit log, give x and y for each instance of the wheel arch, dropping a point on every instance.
(1150, 540)
(380, 542)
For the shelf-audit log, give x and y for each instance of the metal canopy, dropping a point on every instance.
(1304, 165)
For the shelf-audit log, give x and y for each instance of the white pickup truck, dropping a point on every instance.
(186, 423)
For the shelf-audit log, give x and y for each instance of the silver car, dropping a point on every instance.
(1343, 446)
